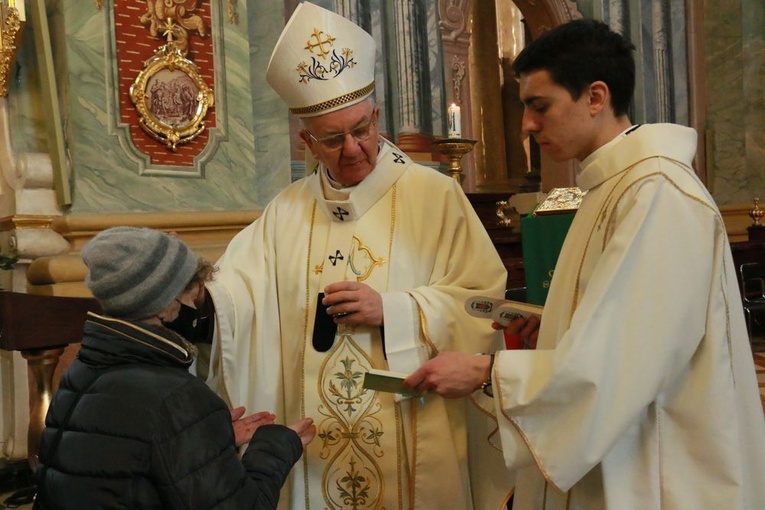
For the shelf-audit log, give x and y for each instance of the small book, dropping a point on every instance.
(383, 380)
(501, 311)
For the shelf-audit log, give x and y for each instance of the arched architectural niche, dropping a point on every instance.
(542, 15)
(479, 107)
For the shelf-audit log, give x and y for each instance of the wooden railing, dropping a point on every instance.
(40, 327)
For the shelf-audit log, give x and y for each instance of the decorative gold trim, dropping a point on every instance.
(359, 246)
(10, 33)
(338, 101)
(306, 317)
(168, 75)
(25, 222)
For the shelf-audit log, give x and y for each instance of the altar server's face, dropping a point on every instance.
(564, 127)
(345, 141)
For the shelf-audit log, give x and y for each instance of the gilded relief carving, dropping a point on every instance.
(11, 23)
(176, 16)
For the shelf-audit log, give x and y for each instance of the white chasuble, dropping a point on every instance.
(641, 394)
(357, 444)
(410, 234)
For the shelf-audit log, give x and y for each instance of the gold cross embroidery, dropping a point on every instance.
(319, 42)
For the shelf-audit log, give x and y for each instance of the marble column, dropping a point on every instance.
(662, 57)
(413, 77)
(357, 11)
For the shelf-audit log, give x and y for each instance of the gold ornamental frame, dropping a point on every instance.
(561, 200)
(171, 97)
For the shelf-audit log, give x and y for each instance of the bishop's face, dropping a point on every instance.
(345, 141)
(563, 127)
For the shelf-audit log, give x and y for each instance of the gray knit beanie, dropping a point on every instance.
(136, 273)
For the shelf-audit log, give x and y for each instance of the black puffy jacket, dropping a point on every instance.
(130, 428)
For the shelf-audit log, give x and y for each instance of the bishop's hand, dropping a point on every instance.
(353, 303)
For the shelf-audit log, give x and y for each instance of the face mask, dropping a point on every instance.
(185, 324)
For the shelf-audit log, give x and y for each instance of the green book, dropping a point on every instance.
(384, 380)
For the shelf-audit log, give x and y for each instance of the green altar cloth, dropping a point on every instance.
(542, 238)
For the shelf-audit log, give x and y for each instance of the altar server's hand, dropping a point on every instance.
(353, 303)
(526, 330)
(305, 430)
(450, 374)
(245, 426)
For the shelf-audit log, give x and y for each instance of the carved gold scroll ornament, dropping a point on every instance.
(11, 23)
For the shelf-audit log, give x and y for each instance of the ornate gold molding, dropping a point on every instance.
(206, 232)
(10, 33)
(25, 222)
(213, 228)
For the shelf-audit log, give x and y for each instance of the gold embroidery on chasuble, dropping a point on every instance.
(362, 261)
(357, 445)
(350, 430)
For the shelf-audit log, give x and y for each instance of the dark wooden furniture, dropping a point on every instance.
(40, 327)
(747, 252)
(751, 254)
(506, 238)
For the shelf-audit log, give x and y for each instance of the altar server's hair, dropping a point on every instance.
(579, 53)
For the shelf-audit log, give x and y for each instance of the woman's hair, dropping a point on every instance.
(204, 273)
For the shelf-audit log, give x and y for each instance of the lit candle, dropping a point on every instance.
(455, 129)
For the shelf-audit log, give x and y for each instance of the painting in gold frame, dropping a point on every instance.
(171, 98)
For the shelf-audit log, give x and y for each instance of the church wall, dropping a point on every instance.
(735, 41)
(246, 160)
(730, 50)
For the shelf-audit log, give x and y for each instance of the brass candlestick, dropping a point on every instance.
(454, 149)
(756, 214)
(756, 230)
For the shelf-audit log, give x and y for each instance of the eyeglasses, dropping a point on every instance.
(335, 142)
